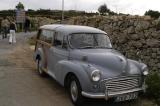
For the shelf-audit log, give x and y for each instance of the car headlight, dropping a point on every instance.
(96, 75)
(145, 70)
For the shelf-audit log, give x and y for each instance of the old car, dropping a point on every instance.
(82, 59)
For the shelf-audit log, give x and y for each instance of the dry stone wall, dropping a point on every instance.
(36, 22)
(135, 36)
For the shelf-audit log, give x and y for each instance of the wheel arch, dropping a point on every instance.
(66, 79)
(69, 68)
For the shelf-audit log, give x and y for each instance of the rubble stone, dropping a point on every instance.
(130, 34)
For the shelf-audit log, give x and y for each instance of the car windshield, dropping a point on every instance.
(82, 41)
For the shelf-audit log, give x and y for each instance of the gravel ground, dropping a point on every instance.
(20, 85)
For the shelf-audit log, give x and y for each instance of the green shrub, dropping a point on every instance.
(153, 90)
(153, 14)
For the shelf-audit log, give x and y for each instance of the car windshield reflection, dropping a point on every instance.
(89, 41)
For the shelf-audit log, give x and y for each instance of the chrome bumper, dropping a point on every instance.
(109, 95)
(93, 95)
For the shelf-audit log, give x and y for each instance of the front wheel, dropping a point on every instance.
(39, 68)
(75, 91)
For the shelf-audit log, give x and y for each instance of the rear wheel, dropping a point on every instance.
(75, 91)
(39, 68)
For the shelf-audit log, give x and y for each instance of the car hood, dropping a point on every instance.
(110, 61)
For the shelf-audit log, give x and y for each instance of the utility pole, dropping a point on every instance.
(62, 10)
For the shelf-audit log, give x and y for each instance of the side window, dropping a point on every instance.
(42, 37)
(58, 40)
(46, 36)
(49, 36)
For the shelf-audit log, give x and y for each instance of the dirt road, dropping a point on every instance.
(20, 85)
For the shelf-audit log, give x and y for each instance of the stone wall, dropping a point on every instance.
(36, 22)
(136, 37)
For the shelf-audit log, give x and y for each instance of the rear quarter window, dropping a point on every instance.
(47, 36)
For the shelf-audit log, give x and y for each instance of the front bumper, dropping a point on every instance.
(110, 95)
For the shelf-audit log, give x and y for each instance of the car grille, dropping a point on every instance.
(121, 84)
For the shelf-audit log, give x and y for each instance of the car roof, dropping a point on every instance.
(70, 29)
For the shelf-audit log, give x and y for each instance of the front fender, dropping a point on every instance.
(76, 67)
(135, 67)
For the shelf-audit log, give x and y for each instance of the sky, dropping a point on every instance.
(134, 7)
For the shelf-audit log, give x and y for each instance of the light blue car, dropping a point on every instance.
(82, 59)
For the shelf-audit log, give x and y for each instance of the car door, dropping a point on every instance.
(58, 52)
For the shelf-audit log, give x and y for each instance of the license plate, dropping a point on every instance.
(126, 97)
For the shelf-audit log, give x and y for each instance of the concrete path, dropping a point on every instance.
(20, 84)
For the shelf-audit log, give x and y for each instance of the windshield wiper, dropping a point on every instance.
(86, 47)
(103, 47)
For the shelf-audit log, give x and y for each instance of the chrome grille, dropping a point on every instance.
(121, 84)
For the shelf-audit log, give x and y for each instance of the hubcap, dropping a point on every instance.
(74, 91)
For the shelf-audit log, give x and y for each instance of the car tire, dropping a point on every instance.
(39, 68)
(75, 90)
